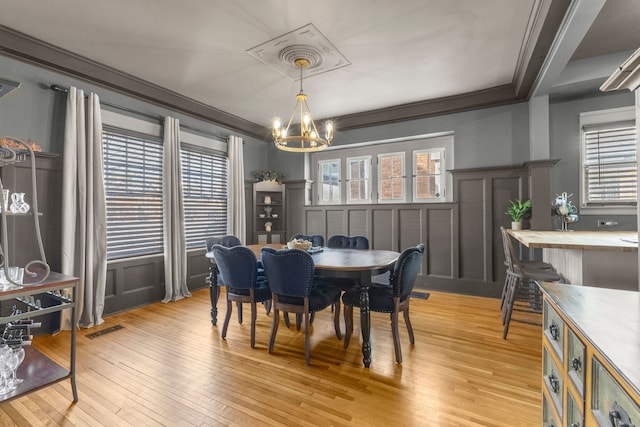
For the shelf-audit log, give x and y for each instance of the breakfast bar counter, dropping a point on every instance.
(606, 259)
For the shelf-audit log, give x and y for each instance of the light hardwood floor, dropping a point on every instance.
(168, 366)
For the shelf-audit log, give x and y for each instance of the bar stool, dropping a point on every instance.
(521, 292)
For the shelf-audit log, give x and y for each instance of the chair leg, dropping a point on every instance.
(286, 319)
(307, 338)
(267, 306)
(336, 319)
(253, 322)
(298, 320)
(396, 336)
(513, 290)
(227, 316)
(239, 305)
(274, 329)
(348, 321)
(407, 321)
(504, 291)
(508, 296)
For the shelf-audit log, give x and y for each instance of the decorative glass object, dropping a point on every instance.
(5, 200)
(18, 204)
(268, 210)
(566, 210)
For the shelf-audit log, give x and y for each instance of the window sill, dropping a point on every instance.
(609, 210)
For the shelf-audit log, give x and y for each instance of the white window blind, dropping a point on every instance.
(133, 187)
(610, 164)
(205, 192)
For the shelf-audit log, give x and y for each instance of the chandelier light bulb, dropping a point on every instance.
(329, 130)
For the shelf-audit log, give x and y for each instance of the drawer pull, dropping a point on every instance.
(576, 364)
(618, 413)
(555, 383)
(554, 330)
(575, 424)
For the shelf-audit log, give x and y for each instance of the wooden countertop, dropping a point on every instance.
(609, 319)
(622, 241)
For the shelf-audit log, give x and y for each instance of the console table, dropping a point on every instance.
(37, 370)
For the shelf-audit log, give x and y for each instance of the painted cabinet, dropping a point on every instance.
(591, 348)
(269, 222)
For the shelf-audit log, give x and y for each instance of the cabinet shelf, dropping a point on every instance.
(36, 371)
(20, 214)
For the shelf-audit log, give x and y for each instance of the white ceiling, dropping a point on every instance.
(400, 52)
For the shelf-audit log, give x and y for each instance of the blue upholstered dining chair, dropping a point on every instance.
(350, 242)
(215, 279)
(315, 239)
(391, 299)
(290, 273)
(239, 267)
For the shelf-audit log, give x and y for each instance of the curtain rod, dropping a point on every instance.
(160, 119)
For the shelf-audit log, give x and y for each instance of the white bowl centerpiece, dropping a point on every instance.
(303, 245)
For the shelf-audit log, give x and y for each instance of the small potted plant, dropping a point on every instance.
(268, 175)
(517, 211)
(268, 180)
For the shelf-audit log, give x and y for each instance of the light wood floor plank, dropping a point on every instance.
(168, 366)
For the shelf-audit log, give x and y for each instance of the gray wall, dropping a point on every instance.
(564, 129)
(496, 136)
(483, 138)
(34, 111)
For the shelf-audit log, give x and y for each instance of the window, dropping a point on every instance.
(386, 181)
(391, 177)
(329, 181)
(358, 177)
(205, 192)
(133, 188)
(609, 162)
(427, 174)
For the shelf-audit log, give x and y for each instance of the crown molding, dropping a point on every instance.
(23, 47)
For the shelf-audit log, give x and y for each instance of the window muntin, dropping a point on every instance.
(329, 177)
(610, 167)
(391, 178)
(205, 193)
(427, 174)
(133, 190)
(358, 179)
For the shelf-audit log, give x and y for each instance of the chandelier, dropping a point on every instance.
(309, 138)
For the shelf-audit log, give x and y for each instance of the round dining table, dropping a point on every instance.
(358, 264)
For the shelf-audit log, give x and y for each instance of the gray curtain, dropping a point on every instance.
(237, 212)
(175, 245)
(84, 222)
